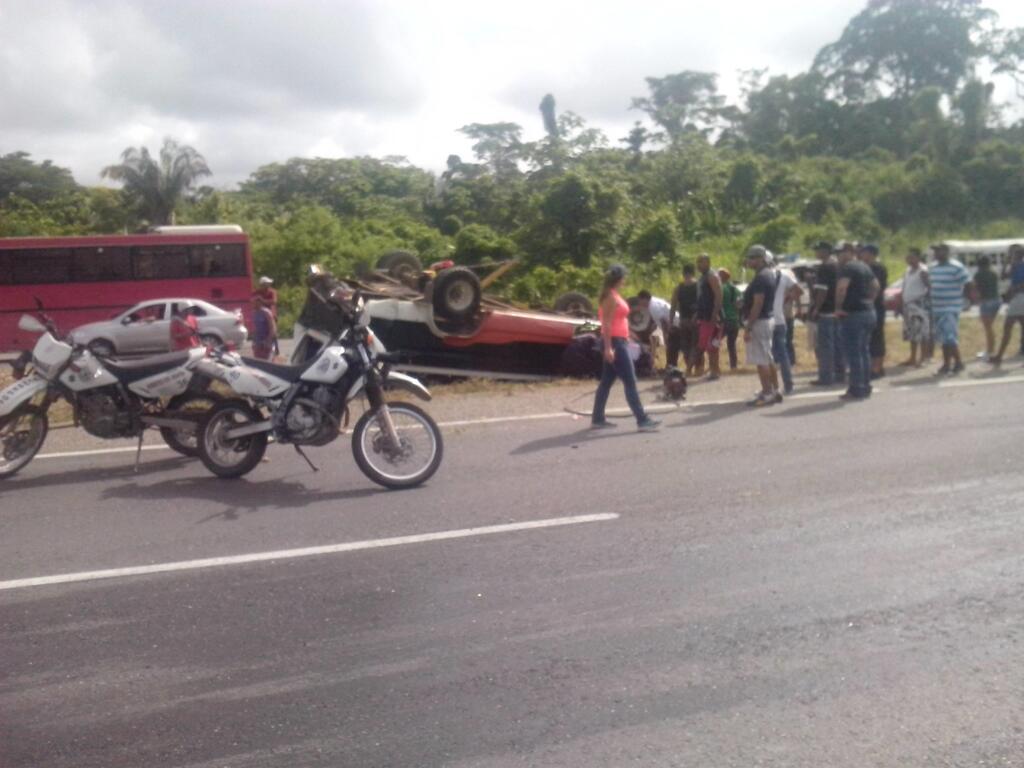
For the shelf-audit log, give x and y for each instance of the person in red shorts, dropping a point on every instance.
(709, 314)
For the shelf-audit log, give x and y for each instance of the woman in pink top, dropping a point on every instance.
(614, 316)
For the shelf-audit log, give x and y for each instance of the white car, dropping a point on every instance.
(146, 328)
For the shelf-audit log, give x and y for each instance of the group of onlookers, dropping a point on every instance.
(845, 315)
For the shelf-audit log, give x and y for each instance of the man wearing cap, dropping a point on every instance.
(267, 294)
(787, 290)
(949, 278)
(758, 314)
(856, 289)
(828, 348)
(869, 255)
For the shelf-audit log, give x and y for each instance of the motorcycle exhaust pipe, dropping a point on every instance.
(248, 429)
(180, 425)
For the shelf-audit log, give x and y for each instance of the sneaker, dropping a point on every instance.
(648, 425)
(789, 390)
(777, 398)
(820, 383)
(944, 370)
(958, 368)
(760, 401)
(983, 356)
(602, 425)
(852, 396)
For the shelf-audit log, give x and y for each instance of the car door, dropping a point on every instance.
(146, 329)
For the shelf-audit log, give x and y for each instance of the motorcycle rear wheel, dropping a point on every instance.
(186, 443)
(230, 457)
(414, 462)
(22, 434)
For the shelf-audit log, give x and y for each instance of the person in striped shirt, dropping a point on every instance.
(949, 279)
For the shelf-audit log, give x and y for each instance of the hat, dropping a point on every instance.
(823, 245)
(725, 273)
(757, 252)
(845, 245)
(266, 281)
(769, 257)
(870, 248)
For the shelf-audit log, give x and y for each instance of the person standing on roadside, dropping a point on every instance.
(915, 302)
(987, 282)
(948, 278)
(856, 290)
(709, 315)
(787, 290)
(1015, 301)
(184, 328)
(869, 255)
(614, 316)
(758, 315)
(684, 324)
(831, 368)
(730, 314)
(264, 330)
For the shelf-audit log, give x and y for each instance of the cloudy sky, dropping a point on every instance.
(254, 81)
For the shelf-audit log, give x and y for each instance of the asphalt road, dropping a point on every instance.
(814, 584)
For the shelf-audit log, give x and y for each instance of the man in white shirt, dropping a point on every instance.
(787, 290)
(916, 307)
(659, 311)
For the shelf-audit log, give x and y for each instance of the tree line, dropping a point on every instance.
(891, 135)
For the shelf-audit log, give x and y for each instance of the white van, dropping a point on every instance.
(967, 252)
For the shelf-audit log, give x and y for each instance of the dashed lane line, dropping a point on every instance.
(291, 554)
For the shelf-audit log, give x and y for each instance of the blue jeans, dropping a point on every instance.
(781, 356)
(622, 368)
(855, 331)
(829, 350)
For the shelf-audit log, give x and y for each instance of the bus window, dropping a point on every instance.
(160, 262)
(41, 266)
(227, 260)
(101, 264)
(6, 267)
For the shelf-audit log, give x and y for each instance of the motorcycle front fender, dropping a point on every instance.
(407, 384)
(20, 392)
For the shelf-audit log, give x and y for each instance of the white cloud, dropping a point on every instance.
(257, 81)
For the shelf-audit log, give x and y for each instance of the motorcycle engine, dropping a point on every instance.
(314, 419)
(104, 416)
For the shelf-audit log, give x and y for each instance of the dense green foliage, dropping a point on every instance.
(889, 136)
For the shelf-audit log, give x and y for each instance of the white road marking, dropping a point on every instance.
(289, 554)
(656, 409)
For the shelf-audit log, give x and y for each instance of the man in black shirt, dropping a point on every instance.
(683, 320)
(827, 348)
(758, 324)
(856, 290)
(869, 255)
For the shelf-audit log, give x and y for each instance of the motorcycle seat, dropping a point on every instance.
(134, 370)
(289, 373)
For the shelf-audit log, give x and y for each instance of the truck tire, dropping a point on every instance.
(574, 303)
(456, 294)
(400, 265)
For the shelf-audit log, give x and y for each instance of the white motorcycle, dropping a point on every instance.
(109, 399)
(396, 444)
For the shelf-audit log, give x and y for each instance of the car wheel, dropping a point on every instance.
(102, 348)
(210, 340)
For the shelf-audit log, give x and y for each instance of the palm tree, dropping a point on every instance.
(158, 187)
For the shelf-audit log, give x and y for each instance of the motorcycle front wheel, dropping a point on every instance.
(413, 461)
(21, 436)
(226, 456)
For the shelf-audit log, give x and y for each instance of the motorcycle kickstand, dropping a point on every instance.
(299, 451)
(138, 452)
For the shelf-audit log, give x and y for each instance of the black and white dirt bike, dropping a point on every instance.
(396, 444)
(109, 398)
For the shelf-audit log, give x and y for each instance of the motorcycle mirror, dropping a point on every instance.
(31, 324)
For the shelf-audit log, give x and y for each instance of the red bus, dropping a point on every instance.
(84, 279)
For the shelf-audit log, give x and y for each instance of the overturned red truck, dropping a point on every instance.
(441, 321)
